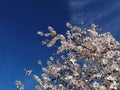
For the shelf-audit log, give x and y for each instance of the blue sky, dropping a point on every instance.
(20, 46)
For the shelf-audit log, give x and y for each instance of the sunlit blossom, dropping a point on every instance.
(84, 60)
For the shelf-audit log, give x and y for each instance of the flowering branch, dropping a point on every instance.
(87, 59)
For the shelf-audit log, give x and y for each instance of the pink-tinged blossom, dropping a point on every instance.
(86, 60)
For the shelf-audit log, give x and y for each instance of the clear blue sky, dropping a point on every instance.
(20, 46)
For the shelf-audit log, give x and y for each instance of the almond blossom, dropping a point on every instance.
(87, 59)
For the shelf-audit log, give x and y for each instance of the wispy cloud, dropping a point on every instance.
(91, 11)
(75, 6)
(106, 13)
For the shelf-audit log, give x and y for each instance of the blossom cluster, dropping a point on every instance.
(19, 85)
(86, 59)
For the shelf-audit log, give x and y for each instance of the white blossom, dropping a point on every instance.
(40, 33)
(93, 33)
(73, 60)
(95, 84)
(28, 72)
(104, 61)
(68, 77)
(85, 60)
(115, 66)
(19, 85)
(37, 79)
(103, 88)
(114, 85)
(111, 78)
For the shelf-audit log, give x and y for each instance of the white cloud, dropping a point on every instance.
(90, 16)
(106, 11)
(74, 7)
(77, 4)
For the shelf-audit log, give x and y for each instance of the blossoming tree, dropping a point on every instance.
(86, 59)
